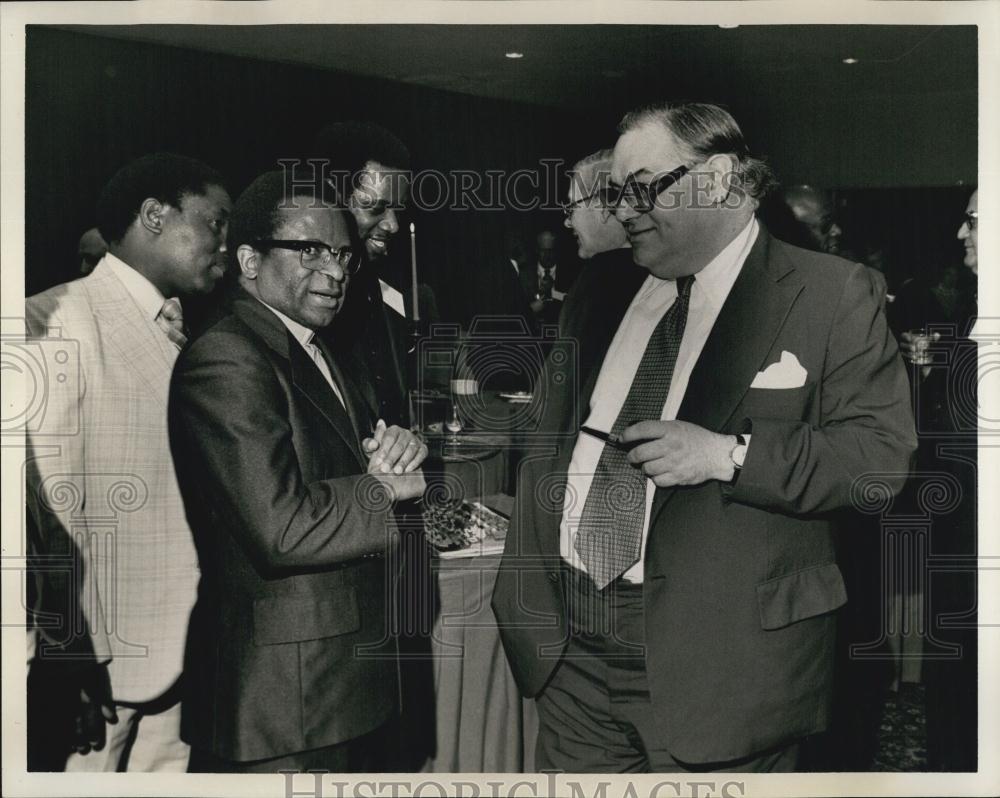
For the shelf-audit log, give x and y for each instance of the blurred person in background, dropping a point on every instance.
(814, 210)
(90, 250)
(602, 242)
(806, 217)
(546, 278)
(947, 411)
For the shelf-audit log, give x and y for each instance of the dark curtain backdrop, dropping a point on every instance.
(93, 103)
(916, 229)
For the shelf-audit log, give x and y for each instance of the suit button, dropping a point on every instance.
(553, 577)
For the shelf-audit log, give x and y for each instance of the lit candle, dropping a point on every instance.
(413, 268)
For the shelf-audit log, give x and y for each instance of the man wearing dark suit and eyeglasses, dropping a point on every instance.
(288, 479)
(668, 586)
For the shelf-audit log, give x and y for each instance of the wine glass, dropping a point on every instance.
(453, 423)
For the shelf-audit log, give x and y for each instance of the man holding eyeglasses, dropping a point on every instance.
(288, 478)
(672, 610)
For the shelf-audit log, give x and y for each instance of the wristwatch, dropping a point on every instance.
(739, 452)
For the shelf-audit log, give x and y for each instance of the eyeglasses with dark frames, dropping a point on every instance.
(569, 207)
(971, 219)
(641, 197)
(315, 255)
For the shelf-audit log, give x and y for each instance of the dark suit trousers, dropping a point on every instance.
(595, 714)
(365, 754)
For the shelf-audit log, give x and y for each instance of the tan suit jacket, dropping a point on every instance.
(101, 483)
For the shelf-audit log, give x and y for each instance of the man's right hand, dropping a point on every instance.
(404, 486)
(393, 450)
(96, 708)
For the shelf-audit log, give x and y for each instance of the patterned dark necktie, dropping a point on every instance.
(170, 319)
(609, 537)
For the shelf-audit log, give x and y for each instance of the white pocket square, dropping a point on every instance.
(786, 373)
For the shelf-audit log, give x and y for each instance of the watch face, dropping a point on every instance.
(739, 452)
(739, 455)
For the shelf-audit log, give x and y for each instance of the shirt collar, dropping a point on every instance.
(552, 270)
(146, 295)
(302, 333)
(717, 278)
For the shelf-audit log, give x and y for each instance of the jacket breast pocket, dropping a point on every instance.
(799, 595)
(778, 403)
(295, 619)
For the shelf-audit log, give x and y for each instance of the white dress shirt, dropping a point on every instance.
(393, 298)
(305, 337)
(711, 287)
(146, 295)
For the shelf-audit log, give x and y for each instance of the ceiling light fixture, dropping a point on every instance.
(514, 55)
(850, 60)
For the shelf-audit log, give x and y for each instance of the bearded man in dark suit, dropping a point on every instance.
(668, 594)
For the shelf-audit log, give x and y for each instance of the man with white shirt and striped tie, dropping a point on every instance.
(669, 580)
(289, 478)
(100, 479)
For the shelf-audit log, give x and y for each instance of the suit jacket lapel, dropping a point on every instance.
(305, 375)
(739, 342)
(354, 403)
(308, 378)
(741, 337)
(143, 347)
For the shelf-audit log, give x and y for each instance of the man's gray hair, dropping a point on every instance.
(593, 171)
(707, 130)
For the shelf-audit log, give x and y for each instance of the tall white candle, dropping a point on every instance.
(413, 269)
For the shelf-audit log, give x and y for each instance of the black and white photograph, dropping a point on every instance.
(500, 398)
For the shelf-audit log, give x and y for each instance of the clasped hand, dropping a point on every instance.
(679, 453)
(395, 455)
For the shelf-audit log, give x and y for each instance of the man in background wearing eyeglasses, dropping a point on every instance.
(948, 412)
(288, 477)
(674, 611)
(601, 239)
